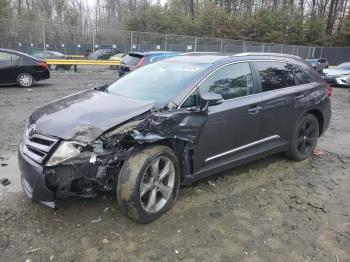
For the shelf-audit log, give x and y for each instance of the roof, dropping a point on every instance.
(7, 50)
(14, 51)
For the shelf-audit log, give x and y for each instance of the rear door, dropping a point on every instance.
(283, 102)
(232, 128)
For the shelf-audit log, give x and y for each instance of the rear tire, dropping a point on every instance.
(304, 138)
(148, 183)
(25, 80)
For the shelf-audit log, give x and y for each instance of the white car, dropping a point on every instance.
(339, 75)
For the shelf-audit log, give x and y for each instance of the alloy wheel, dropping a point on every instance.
(157, 184)
(307, 137)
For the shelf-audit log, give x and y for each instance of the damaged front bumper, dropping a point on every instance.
(76, 177)
(33, 180)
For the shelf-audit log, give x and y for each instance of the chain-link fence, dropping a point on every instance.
(76, 40)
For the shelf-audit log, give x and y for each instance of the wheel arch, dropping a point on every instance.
(320, 118)
(183, 151)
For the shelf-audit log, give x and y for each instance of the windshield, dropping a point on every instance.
(343, 66)
(158, 82)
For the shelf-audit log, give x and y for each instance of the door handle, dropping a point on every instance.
(254, 110)
(299, 97)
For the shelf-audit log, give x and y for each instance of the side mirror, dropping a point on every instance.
(210, 99)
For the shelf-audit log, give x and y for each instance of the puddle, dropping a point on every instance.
(9, 169)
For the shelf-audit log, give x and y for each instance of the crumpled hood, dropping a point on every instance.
(336, 72)
(85, 116)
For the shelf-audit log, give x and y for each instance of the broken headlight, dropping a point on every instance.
(65, 151)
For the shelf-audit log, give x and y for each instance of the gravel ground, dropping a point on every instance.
(269, 210)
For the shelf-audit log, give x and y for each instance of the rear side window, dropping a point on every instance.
(131, 60)
(275, 75)
(301, 76)
(15, 58)
(231, 81)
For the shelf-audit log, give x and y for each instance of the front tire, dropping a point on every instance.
(148, 183)
(304, 138)
(25, 80)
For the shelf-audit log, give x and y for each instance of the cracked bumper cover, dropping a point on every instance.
(79, 178)
(33, 180)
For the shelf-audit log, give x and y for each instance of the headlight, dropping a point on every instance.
(65, 151)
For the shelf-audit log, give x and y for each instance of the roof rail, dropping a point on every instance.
(267, 54)
(204, 53)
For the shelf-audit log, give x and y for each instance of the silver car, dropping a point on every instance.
(339, 75)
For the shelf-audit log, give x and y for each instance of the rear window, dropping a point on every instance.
(131, 60)
(275, 75)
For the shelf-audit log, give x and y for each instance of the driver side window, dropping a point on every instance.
(230, 81)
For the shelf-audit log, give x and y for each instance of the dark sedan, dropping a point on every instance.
(17, 67)
(169, 123)
(133, 61)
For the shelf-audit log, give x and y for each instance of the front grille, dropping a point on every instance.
(38, 146)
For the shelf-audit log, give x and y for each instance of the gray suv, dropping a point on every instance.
(169, 123)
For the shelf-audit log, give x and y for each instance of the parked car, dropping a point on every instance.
(339, 76)
(133, 61)
(102, 54)
(87, 53)
(169, 123)
(17, 67)
(318, 63)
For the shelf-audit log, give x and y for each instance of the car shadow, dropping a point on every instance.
(107, 199)
(36, 85)
(245, 168)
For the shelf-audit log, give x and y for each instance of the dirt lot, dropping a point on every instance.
(270, 210)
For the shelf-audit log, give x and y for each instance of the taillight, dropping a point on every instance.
(141, 62)
(329, 90)
(43, 64)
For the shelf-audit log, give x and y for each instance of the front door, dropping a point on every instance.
(232, 128)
